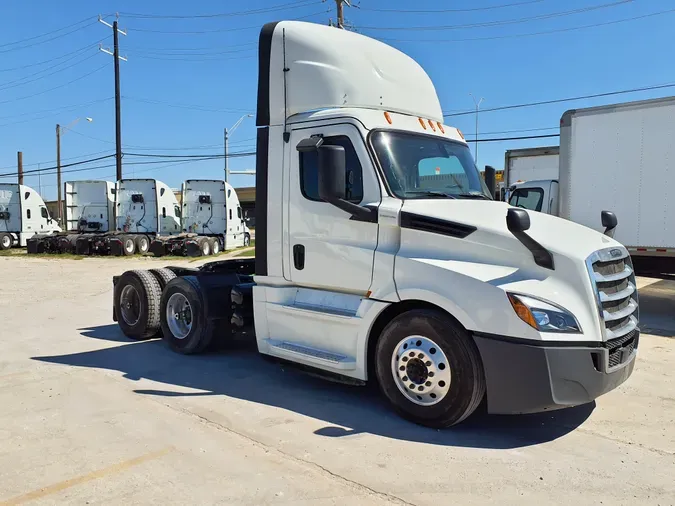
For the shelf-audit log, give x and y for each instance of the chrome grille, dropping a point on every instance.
(611, 272)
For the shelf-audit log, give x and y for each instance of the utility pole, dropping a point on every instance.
(19, 164)
(339, 4)
(475, 143)
(118, 97)
(58, 172)
(227, 167)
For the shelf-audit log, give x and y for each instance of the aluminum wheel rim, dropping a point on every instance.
(247, 241)
(216, 247)
(6, 241)
(206, 249)
(145, 244)
(130, 305)
(421, 370)
(179, 315)
(129, 245)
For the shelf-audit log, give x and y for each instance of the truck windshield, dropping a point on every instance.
(527, 198)
(424, 166)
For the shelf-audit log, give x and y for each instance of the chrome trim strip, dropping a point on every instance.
(627, 311)
(623, 294)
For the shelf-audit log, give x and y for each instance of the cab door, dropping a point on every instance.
(327, 248)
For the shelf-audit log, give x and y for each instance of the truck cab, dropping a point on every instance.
(380, 255)
(23, 214)
(540, 196)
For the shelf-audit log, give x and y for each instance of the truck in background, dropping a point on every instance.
(23, 214)
(381, 256)
(622, 158)
(113, 219)
(529, 164)
(212, 221)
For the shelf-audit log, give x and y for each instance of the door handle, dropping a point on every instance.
(299, 256)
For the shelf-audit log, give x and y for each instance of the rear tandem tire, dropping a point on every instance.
(447, 352)
(215, 245)
(137, 298)
(163, 276)
(6, 241)
(205, 246)
(199, 335)
(142, 244)
(128, 245)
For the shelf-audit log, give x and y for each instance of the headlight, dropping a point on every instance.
(543, 316)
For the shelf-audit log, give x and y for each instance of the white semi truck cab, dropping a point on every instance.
(23, 214)
(381, 257)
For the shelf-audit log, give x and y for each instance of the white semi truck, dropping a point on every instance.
(381, 257)
(99, 225)
(23, 214)
(212, 221)
(619, 157)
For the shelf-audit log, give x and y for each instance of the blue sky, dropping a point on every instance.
(181, 89)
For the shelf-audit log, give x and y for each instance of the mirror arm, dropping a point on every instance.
(358, 212)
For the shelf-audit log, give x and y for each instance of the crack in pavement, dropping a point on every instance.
(663, 453)
(321, 469)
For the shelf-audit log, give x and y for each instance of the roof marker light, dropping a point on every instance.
(440, 127)
(422, 123)
(431, 124)
(387, 117)
(460, 134)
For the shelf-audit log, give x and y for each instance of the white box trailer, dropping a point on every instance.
(212, 221)
(23, 215)
(380, 256)
(618, 158)
(529, 164)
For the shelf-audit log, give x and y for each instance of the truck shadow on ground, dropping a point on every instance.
(240, 372)
(657, 308)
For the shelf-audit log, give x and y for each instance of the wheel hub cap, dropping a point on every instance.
(130, 304)
(179, 315)
(421, 370)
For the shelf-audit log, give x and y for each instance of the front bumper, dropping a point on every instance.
(526, 378)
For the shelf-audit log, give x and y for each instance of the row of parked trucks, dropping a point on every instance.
(619, 157)
(131, 216)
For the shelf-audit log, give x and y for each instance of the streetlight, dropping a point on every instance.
(59, 128)
(227, 132)
(475, 144)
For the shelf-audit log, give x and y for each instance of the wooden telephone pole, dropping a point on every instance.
(340, 5)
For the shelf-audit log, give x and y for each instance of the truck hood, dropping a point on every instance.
(558, 235)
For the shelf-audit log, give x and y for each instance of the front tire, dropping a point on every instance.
(429, 368)
(5, 242)
(247, 240)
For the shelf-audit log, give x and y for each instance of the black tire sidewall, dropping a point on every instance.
(454, 342)
(193, 342)
(140, 329)
(2, 240)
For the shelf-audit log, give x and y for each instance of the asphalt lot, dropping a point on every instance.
(90, 417)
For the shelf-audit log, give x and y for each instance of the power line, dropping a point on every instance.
(516, 138)
(43, 62)
(202, 48)
(516, 131)
(486, 24)
(55, 87)
(145, 57)
(47, 75)
(62, 108)
(439, 11)
(568, 99)
(237, 154)
(42, 170)
(249, 12)
(222, 30)
(533, 34)
(47, 33)
(184, 106)
(9, 50)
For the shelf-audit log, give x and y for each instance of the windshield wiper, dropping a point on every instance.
(474, 195)
(430, 193)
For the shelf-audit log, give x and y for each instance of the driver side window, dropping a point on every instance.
(309, 175)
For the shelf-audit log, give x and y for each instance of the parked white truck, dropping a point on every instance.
(618, 157)
(212, 221)
(23, 214)
(381, 257)
(113, 219)
(530, 163)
